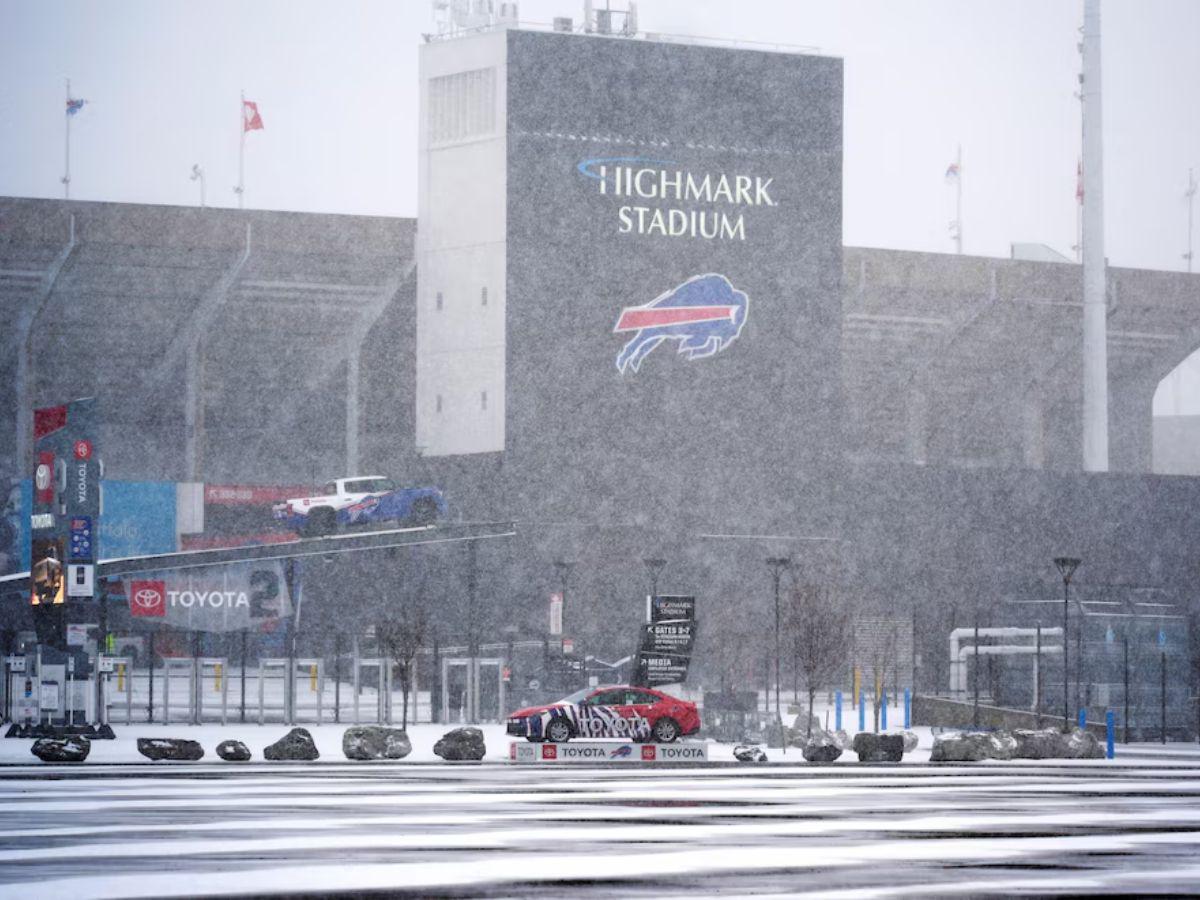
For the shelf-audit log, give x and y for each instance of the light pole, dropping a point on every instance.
(777, 564)
(1066, 568)
(654, 565)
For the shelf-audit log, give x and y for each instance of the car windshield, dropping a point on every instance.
(578, 696)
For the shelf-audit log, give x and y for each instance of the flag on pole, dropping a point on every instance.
(251, 120)
(1079, 182)
(952, 172)
(74, 106)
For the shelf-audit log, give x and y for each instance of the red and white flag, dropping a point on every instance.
(251, 120)
(1079, 182)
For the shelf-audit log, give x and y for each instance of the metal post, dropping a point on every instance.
(778, 564)
(975, 679)
(1109, 735)
(1037, 680)
(242, 712)
(1125, 716)
(150, 657)
(1080, 693)
(472, 635)
(337, 680)
(837, 714)
(1162, 698)
(1066, 638)
(907, 709)
(862, 712)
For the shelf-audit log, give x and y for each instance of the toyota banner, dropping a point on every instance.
(216, 599)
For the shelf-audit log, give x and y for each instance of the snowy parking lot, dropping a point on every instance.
(1131, 826)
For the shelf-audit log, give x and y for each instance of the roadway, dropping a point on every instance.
(1128, 826)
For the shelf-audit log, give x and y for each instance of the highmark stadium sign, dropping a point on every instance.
(653, 180)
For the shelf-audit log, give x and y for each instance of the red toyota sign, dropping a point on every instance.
(648, 752)
(83, 449)
(147, 599)
(549, 751)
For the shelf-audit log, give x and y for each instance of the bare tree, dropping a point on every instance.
(820, 628)
(400, 632)
(882, 653)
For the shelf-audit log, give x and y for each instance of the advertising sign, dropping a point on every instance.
(671, 608)
(606, 752)
(216, 599)
(667, 641)
(65, 504)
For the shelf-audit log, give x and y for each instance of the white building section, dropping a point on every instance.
(461, 245)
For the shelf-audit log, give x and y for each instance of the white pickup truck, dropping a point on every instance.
(365, 500)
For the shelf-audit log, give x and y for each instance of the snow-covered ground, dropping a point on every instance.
(201, 829)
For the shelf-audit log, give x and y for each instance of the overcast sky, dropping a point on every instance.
(336, 85)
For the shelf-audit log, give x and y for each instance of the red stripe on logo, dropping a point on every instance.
(636, 317)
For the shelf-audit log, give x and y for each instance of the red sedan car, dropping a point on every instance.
(615, 711)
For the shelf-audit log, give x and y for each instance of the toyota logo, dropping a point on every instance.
(147, 598)
(42, 477)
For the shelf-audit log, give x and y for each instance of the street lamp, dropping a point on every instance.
(777, 564)
(1066, 568)
(654, 565)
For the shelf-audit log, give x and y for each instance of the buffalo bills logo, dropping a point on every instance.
(622, 752)
(704, 315)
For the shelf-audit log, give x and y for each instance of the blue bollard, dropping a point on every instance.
(883, 712)
(862, 712)
(907, 709)
(1082, 719)
(1110, 728)
(837, 711)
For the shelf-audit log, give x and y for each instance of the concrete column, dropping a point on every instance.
(1131, 406)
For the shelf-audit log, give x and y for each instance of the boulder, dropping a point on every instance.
(296, 744)
(461, 743)
(1045, 743)
(1082, 744)
(375, 742)
(974, 746)
(170, 748)
(64, 750)
(233, 751)
(910, 741)
(743, 753)
(821, 747)
(879, 747)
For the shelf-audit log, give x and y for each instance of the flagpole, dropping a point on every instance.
(241, 188)
(66, 179)
(958, 203)
(1191, 199)
(1079, 212)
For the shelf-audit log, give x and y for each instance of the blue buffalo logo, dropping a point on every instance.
(704, 315)
(622, 751)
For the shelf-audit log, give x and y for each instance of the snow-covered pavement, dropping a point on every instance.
(468, 830)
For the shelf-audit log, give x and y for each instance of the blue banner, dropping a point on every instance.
(139, 519)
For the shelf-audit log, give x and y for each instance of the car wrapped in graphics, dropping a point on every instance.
(366, 500)
(615, 711)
